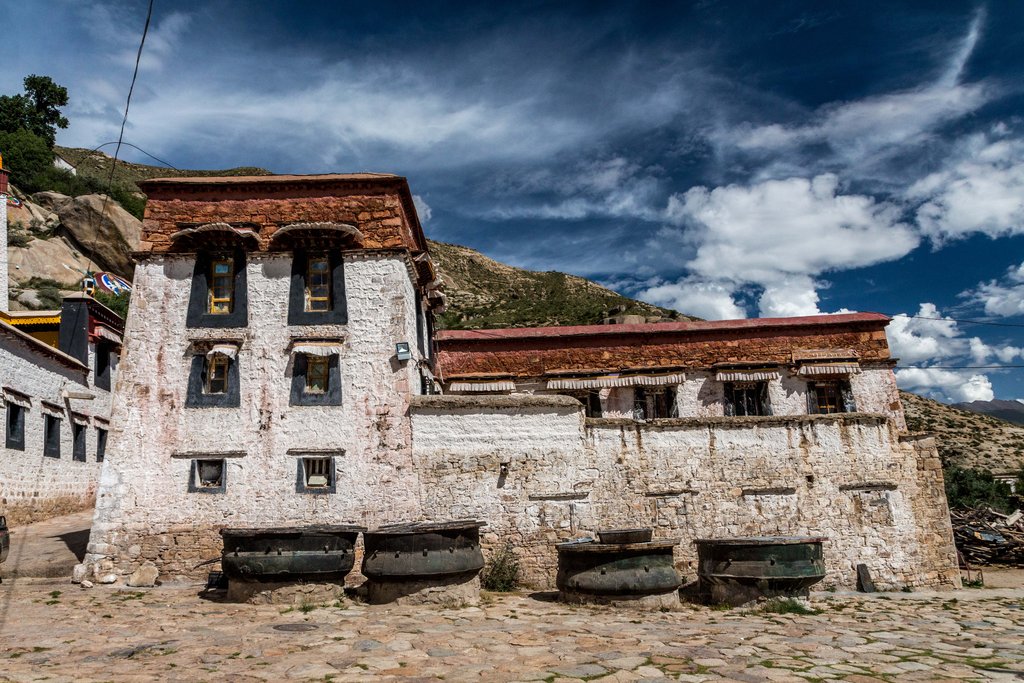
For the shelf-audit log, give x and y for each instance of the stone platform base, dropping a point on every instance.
(656, 602)
(457, 591)
(736, 595)
(285, 593)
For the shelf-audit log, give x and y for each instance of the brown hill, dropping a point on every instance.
(965, 438)
(483, 293)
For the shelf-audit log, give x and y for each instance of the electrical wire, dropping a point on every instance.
(131, 89)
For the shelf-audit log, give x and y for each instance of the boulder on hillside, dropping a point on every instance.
(32, 217)
(103, 229)
(50, 200)
(53, 259)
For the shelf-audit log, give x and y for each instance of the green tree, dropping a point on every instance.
(37, 110)
(26, 156)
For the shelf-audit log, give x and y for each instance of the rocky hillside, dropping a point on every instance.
(965, 438)
(484, 293)
(90, 163)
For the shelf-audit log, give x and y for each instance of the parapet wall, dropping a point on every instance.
(539, 473)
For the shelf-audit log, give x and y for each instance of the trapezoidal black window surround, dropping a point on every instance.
(300, 393)
(197, 395)
(208, 475)
(337, 310)
(199, 302)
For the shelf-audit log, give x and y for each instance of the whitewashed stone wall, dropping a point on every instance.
(144, 511)
(32, 486)
(4, 291)
(851, 478)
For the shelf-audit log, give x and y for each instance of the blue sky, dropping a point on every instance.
(725, 159)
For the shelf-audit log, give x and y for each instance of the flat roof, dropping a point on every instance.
(662, 328)
(270, 179)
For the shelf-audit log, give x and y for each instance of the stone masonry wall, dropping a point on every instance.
(32, 486)
(851, 478)
(145, 512)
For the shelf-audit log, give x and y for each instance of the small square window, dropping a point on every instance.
(51, 436)
(317, 377)
(101, 444)
(77, 442)
(15, 431)
(315, 475)
(207, 476)
(318, 284)
(222, 286)
(217, 374)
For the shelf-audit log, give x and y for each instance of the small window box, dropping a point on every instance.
(208, 476)
(315, 475)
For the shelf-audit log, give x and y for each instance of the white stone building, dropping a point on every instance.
(279, 364)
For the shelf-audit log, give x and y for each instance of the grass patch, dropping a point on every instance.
(787, 606)
(502, 574)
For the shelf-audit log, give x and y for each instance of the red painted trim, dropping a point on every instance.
(838, 320)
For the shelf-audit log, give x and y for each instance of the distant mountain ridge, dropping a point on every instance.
(965, 438)
(1011, 411)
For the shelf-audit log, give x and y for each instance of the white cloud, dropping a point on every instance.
(859, 131)
(781, 234)
(709, 300)
(946, 385)
(929, 336)
(1003, 297)
(980, 191)
(423, 209)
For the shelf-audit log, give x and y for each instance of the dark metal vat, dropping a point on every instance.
(625, 535)
(311, 553)
(423, 550)
(737, 570)
(622, 570)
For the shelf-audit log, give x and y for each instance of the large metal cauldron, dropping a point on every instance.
(737, 570)
(617, 570)
(423, 550)
(311, 553)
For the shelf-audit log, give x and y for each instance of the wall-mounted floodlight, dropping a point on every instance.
(402, 351)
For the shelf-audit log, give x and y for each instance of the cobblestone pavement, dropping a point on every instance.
(61, 632)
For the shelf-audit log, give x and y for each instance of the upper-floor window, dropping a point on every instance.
(77, 441)
(218, 297)
(747, 398)
(217, 374)
(104, 362)
(318, 284)
(652, 403)
(213, 380)
(221, 286)
(830, 396)
(317, 295)
(316, 375)
(101, 444)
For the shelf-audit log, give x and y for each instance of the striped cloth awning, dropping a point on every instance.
(17, 398)
(746, 375)
(817, 369)
(318, 349)
(615, 381)
(229, 350)
(107, 334)
(494, 385)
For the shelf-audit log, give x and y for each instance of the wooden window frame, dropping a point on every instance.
(318, 304)
(14, 426)
(336, 312)
(213, 301)
(759, 400)
(213, 363)
(325, 467)
(318, 368)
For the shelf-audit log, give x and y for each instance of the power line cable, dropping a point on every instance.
(957, 320)
(131, 89)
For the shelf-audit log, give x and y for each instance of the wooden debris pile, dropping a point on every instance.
(984, 536)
